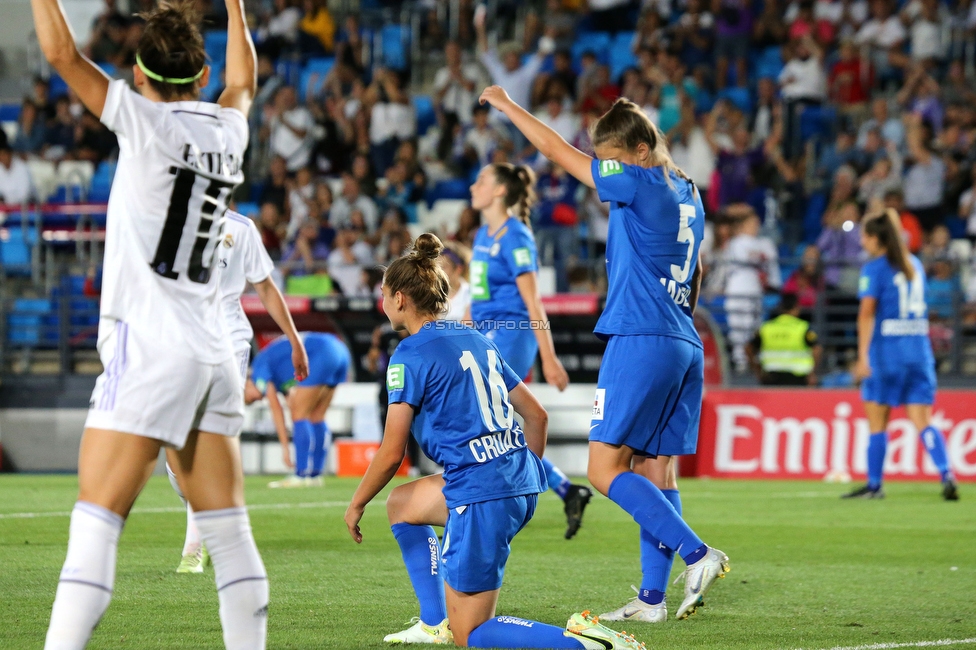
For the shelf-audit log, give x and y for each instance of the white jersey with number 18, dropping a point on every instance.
(178, 163)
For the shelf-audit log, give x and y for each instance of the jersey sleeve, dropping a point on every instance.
(520, 253)
(614, 183)
(132, 117)
(257, 263)
(869, 286)
(406, 379)
(509, 376)
(236, 123)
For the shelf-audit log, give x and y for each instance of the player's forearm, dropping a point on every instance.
(241, 70)
(865, 331)
(274, 302)
(53, 33)
(378, 475)
(536, 431)
(696, 280)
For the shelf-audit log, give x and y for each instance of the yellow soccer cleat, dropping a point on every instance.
(289, 482)
(587, 629)
(420, 632)
(192, 562)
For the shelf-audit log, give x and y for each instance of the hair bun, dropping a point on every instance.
(428, 246)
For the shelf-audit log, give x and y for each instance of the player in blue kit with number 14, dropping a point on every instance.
(895, 362)
(450, 387)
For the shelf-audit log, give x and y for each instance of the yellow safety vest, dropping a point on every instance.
(784, 346)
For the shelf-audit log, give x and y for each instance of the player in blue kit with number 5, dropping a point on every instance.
(450, 387)
(895, 362)
(648, 399)
(308, 400)
(505, 302)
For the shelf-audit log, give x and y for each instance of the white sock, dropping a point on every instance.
(192, 542)
(87, 578)
(242, 583)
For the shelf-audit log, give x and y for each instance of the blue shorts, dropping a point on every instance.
(477, 541)
(900, 384)
(649, 395)
(518, 348)
(328, 361)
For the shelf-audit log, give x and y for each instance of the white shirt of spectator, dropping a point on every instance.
(458, 305)
(161, 144)
(803, 79)
(518, 84)
(341, 212)
(349, 275)
(389, 120)
(285, 143)
(566, 124)
(695, 157)
(15, 183)
(483, 142)
(285, 24)
(970, 217)
(705, 20)
(883, 34)
(924, 184)
(299, 208)
(603, 5)
(749, 259)
(458, 99)
(241, 258)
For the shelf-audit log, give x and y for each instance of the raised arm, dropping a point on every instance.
(549, 143)
(59, 48)
(240, 75)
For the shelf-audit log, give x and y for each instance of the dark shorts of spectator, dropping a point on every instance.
(732, 47)
(783, 379)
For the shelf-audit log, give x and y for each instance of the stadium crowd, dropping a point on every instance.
(795, 119)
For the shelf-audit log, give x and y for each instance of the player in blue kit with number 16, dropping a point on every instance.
(451, 389)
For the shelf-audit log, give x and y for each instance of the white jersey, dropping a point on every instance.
(178, 163)
(457, 306)
(241, 258)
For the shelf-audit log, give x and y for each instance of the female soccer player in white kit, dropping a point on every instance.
(170, 378)
(241, 258)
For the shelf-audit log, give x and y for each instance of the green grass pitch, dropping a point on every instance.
(808, 570)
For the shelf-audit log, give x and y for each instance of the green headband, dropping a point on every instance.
(166, 80)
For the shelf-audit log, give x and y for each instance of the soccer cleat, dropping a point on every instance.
(865, 492)
(420, 632)
(577, 496)
(699, 578)
(950, 491)
(205, 560)
(313, 481)
(289, 482)
(192, 562)
(588, 631)
(638, 610)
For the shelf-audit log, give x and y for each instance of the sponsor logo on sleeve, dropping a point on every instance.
(394, 377)
(522, 257)
(610, 168)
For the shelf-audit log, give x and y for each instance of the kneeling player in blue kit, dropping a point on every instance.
(450, 388)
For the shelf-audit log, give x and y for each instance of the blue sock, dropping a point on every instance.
(321, 441)
(877, 448)
(656, 560)
(934, 443)
(421, 555)
(654, 513)
(511, 632)
(302, 437)
(558, 482)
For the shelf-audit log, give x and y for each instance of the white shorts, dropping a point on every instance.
(156, 394)
(243, 357)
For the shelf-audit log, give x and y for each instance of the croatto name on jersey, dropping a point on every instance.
(218, 163)
(494, 445)
(679, 294)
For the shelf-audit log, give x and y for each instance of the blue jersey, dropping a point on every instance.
(458, 384)
(652, 251)
(901, 324)
(496, 261)
(328, 362)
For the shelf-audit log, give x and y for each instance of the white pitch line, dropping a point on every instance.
(173, 509)
(917, 644)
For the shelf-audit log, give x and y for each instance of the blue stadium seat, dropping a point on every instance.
(15, 250)
(58, 87)
(318, 66)
(596, 42)
(740, 97)
(215, 45)
(452, 189)
(28, 321)
(248, 209)
(957, 227)
(812, 220)
(621, 56)
(109, 69)
(396, 46)
(817, 123)
(9, 112)
(214, 85)
(423, 106)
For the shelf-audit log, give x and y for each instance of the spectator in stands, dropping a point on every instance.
(31, 130)
(468, 224)
(279, 33)
(883, 35)
(301, 201)
(650, 32)
(840, 153)
(674, 87)
(803, 85)
(348, 259)
(807, 281)
(107, 37)
(770, 30)
(480, 139)
(892, 129)
(883, 176)
(392, 118)
(397, 192)
(316, 31)
(840, 246)
(306, 254)
(767, 106)
(457, 85)
(290, 129)
(735, 159)
(93, 141)
(352, 199)
(557, 115)
(693, 36)
(61, 132)
(563, 73)
(331, 152)
(271, 228)
(275, 189)
(753, 268)
(600, 93)
(269, 81)
(851, 79)
(967, 206)
(910, 225)
(920, 97)
(942, 285)
(556, 222)
(42, 100)
(926, 24)
(925, 180)
(956, 88)
(733, 29)
(557, 22)
(690, 149)
(362, 170)
(805, 23)
(608, 16)
(15, 179)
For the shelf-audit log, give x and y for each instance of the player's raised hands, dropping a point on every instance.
(495, 96)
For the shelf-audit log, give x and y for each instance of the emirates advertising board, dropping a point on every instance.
(822, 434)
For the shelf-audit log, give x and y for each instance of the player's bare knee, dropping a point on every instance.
(396, 504)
